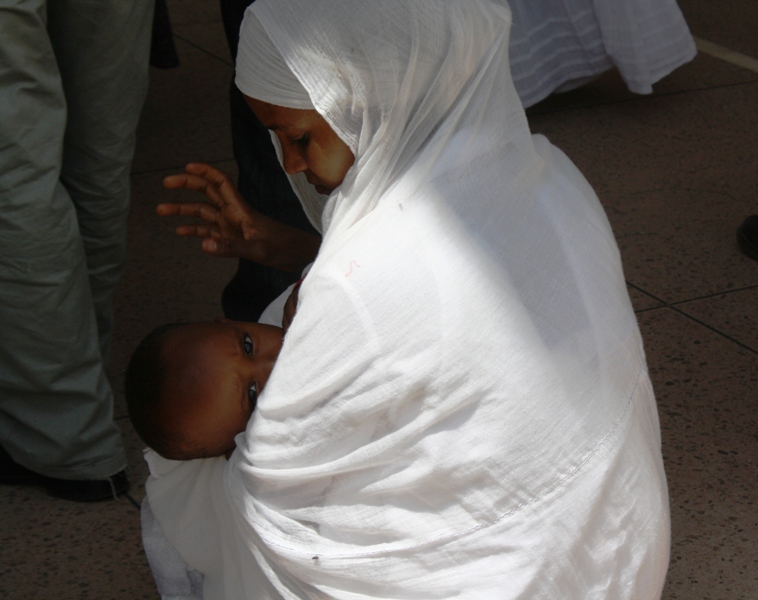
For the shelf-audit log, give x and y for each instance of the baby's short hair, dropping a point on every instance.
(144, 381)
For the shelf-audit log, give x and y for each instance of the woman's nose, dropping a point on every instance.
(292, 160)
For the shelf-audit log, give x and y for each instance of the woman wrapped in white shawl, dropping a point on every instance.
(461, 407)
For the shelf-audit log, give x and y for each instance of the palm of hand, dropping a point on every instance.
(230, 227)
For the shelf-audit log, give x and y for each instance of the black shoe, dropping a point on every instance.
(87, 490)
(78, 490)
(13, 473)
(747, 237)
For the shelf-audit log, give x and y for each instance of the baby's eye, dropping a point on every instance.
(248, 345)
(252, 395)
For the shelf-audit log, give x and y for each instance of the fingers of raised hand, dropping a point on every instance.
(197, 231)
(208, 172)
(219, 247)
(249, 231)
(221, 180)
(199, 210)
(197, 183)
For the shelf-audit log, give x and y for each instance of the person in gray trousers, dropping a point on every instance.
(73, 79)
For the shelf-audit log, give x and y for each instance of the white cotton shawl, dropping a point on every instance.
(557, 42)
(461, 408)
(262, 73)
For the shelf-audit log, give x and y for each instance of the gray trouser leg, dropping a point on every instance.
(72, 82)
(102, 49)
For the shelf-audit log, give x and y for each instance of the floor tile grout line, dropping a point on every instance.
(714, 330)
(713, 295)
(678, 189)
(725, 54)
(208, 52)
(690, 317)
(699, 322)
(665, 304)
(641, 98)
(638, 98)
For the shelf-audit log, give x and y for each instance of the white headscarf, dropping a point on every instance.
(262, 73)
(461, 407)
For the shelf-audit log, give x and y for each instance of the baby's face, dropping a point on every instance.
(216, 371)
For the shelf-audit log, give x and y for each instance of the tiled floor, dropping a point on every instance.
(677, 172)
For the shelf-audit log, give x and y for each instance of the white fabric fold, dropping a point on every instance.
(174, 579)
(461, 407)
(262, 73)
(557, 43)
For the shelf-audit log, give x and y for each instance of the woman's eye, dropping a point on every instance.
(303, 141)
(248, 345)
(252, 395)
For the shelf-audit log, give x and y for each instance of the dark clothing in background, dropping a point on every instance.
(263, 184)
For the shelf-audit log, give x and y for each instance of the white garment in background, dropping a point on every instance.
(461, 407)
(556, 43)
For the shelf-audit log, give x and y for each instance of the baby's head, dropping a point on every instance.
(191, 387)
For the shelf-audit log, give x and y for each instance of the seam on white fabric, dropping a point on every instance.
(475, 528)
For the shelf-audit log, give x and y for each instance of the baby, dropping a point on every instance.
(192, 387)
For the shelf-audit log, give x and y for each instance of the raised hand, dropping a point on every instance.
(231, 227)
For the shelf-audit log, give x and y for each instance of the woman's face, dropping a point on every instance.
(309, 145)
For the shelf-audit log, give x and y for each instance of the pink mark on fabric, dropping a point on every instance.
(353, 263)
